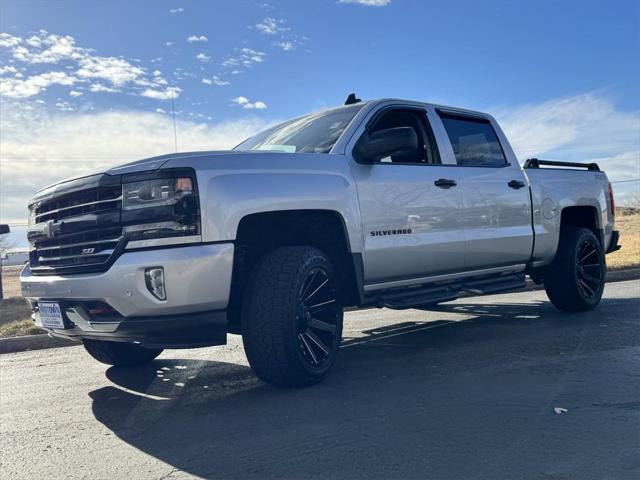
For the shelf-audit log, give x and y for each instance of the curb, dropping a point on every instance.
(42, 341)
(33, 342)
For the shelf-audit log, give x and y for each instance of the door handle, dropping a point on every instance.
(516, 184)
(445, 183)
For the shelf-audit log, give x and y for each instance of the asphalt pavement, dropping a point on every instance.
(498, 387)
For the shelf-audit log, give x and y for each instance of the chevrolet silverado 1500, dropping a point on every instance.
(385, 203)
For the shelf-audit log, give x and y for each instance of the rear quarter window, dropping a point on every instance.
(474, 141)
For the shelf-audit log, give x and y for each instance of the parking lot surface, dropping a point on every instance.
(498, 387)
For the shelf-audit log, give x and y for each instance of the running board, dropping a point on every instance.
(495, 285)
(426, 295)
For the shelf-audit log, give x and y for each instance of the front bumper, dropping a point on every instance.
(197, 281)
(191, 330)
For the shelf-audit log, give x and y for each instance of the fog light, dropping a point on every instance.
(154, 278)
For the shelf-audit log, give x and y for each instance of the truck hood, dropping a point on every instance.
(144, 165)
(155, 163)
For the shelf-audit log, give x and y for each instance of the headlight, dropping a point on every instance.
(160, 209)
(155, 193)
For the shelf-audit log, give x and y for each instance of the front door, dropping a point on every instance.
(411, 208)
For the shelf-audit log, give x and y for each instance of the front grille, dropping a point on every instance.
(76, 231)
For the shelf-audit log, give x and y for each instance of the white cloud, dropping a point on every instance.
(65, 106)
(98, 87)
(246, 104)
(44, 48)
(286, 46)
(271, 26)
(166, 94)
(40, 148)
(197, 38)
(7, 40)
(8, 69)
(75, 93)
(30, 86)
(81, 65)
(368, 3)
(215, 80)
(176, 10)
(168, 44)
(201, 57)
(159, 110)
(246, 58)
(116, 70)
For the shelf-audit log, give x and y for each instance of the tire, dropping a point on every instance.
(120, 353)
(574, 282)
(292, 317)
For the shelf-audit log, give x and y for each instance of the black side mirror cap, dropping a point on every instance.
(373, 146)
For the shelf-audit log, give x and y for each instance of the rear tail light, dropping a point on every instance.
(612, 201)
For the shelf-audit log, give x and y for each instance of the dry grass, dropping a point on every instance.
(18, 328)
(15, 318)
(629, 254)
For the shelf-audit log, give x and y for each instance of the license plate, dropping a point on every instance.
(50, 315)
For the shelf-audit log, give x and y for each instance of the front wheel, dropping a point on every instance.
(574, 282)
(292, 317)
(120, 353)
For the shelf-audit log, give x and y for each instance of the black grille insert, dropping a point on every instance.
(79, 230)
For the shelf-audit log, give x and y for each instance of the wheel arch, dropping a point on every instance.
(585, 216)
(260, 233)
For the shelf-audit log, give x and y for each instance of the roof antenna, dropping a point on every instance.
(175, 132)
(351, 99)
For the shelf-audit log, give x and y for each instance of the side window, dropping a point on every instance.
(474, 141)
(427, 152)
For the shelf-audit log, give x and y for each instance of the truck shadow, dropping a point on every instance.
(442, 399)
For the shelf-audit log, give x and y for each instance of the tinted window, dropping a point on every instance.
(315, 133)
(474, 141)
(426, 153)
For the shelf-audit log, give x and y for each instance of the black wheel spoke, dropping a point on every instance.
(322, 325)
(307, 348)
(321, 306)
(315, 339)
(589, 291)
(304, 300)
(591, 265)
(591, 252)
(590, 278)
(308, 284)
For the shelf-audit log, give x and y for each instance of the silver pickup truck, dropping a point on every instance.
(385, 203)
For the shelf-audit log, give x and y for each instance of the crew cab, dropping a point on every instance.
(385, 203)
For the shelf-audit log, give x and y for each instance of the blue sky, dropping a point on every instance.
(88, 84)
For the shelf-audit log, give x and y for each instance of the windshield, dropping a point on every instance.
(315, 133)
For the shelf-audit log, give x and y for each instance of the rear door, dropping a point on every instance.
(496, 204)
(410, 214)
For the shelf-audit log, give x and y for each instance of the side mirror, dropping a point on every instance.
(4, 228)
(380, 144)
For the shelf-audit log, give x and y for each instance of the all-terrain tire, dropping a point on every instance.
(574, 281)
(280, 328)
(120, 353)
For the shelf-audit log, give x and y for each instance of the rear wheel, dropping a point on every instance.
(292, 317)
(120, 353)
(575, 280)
